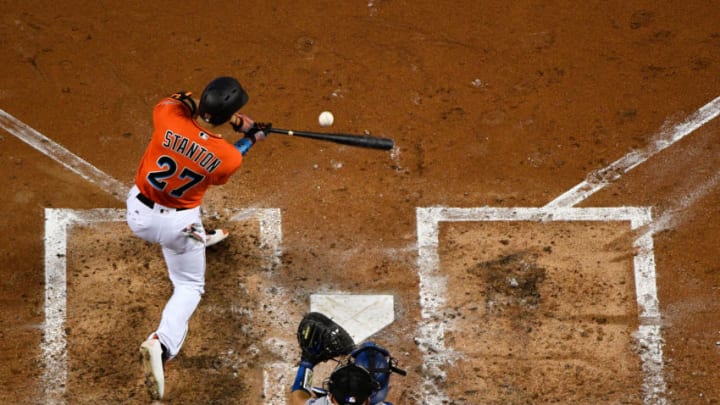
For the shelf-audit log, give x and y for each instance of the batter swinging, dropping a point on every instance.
(186, 155)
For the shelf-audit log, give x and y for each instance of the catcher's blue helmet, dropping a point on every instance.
(376, 359)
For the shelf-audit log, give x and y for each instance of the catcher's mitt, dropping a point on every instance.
(321, 339)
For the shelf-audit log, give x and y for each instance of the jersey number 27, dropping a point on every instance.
(169, 169)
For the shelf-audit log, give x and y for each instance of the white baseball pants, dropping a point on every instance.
(184, 257)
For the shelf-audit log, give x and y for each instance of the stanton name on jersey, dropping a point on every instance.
(193, 151)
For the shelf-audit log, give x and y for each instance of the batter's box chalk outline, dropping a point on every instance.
(58, 223)
(431, 331)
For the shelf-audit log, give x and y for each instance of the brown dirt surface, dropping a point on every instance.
(491, 104)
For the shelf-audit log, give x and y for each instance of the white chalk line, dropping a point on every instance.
(672, 215)
(433, 285)
(64, 157)
(664, 139)
(275, 375)
(54, 343)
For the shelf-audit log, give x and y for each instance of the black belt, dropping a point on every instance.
(150, 203)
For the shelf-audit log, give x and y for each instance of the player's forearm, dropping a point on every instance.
(244, 145)
(300, 390)
(299, 397)
(253, 133)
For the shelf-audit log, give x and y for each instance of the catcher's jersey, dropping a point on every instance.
(326, 401)
(183, 159)
(318, 401)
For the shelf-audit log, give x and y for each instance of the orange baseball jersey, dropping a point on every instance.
(183, 159)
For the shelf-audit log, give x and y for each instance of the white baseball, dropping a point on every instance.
(326, 119)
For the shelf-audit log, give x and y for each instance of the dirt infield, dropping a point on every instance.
(491, 105)
(542, 314)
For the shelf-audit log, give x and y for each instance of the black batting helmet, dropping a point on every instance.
(220, 99)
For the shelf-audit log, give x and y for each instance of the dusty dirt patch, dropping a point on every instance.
(538, 308)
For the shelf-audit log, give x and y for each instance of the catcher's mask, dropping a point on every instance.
(375, 359)
(220, 99)
(350, 384)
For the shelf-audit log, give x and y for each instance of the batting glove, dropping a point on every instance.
(258, 131)
(241, 122)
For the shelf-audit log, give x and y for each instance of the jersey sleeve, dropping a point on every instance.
(169, 108)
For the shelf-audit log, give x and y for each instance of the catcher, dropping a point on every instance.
(363, 379)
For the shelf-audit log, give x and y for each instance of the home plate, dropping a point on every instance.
(360, 315)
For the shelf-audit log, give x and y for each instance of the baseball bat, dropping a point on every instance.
(363, 141)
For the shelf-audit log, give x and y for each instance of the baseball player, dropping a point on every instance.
(186, 154)
(348, 384)
(369, 356)
(363, 379)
